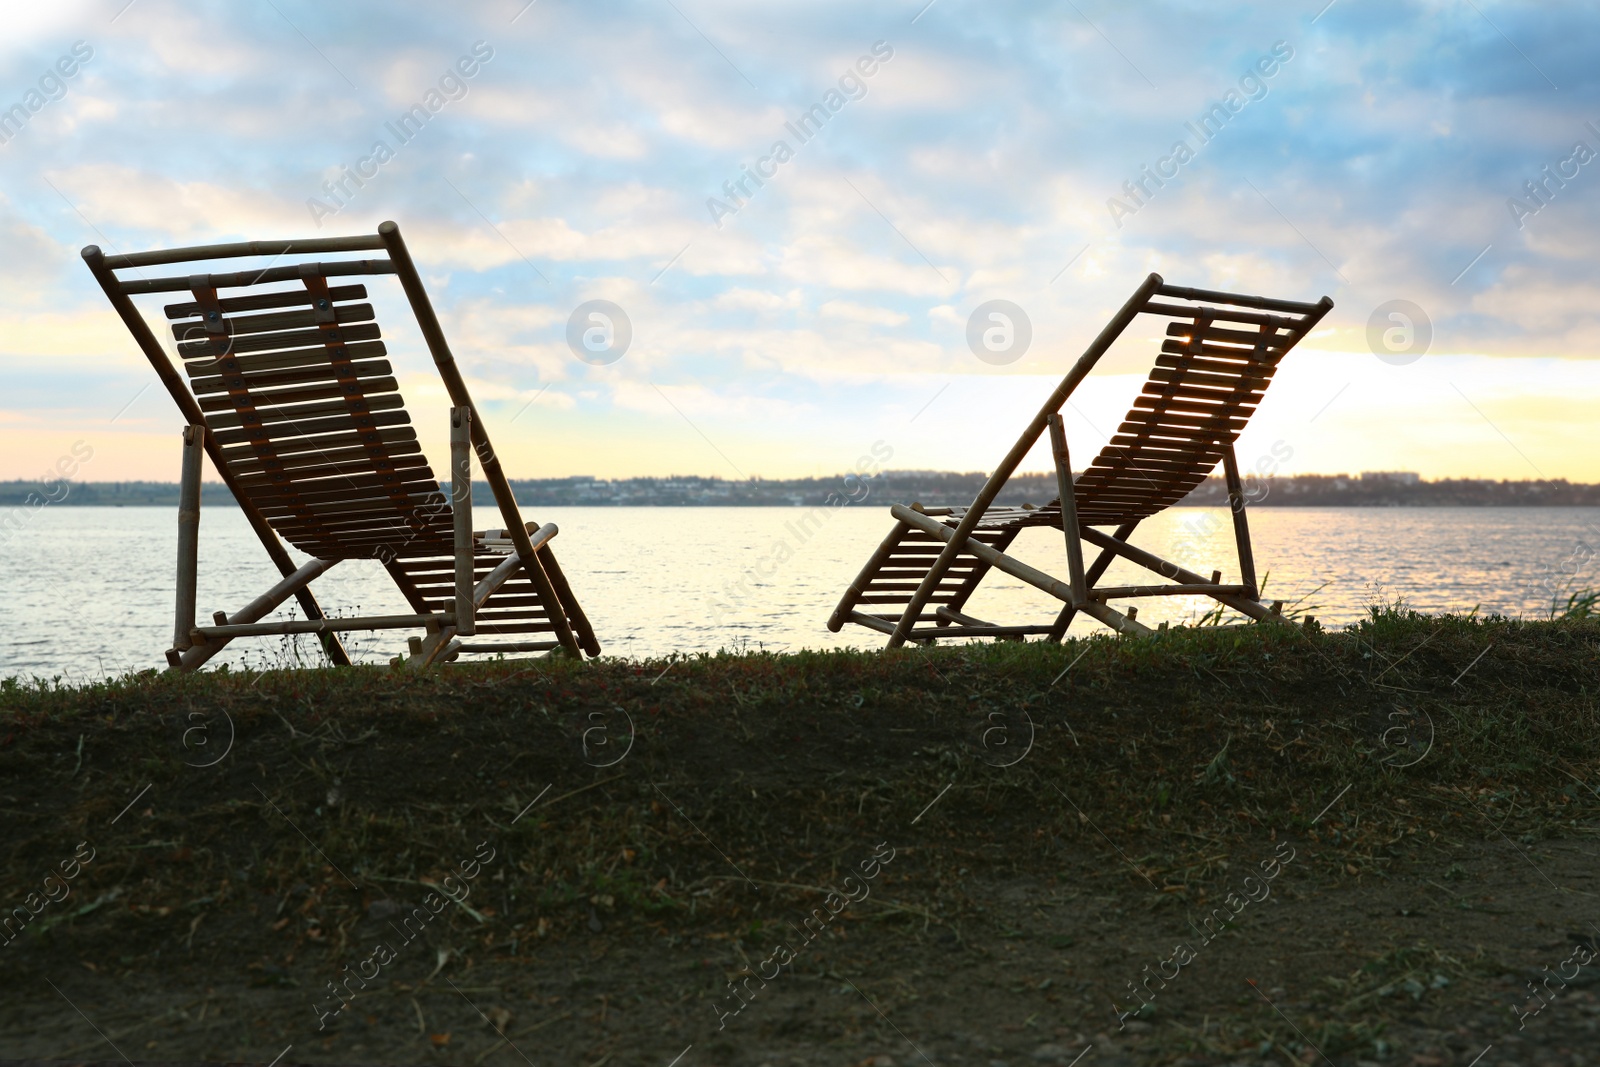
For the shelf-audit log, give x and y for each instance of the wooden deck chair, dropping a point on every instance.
(289, 394)
(1216, 361)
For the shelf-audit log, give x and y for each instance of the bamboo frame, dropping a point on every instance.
(461, 514)
(144, 287)
(1069, 508)
(322, 626)
(1241, 527)
(507, 646)
(1194, 398)
(530, 554)
(188, 538)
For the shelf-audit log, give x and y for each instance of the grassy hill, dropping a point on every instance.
(998, 852)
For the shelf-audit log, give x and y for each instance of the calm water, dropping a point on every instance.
(90, 590)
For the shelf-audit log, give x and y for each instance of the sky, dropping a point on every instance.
(958, 153)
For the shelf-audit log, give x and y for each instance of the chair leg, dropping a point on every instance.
(461, 513)
(1241, 526)
(1069, 508)
(581, 627)
(194, 439)
(1097, 570)
(426, 651)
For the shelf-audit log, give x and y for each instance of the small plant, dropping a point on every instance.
(1217, 770)
(1583, 604)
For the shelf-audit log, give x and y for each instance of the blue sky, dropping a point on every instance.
(829, 312)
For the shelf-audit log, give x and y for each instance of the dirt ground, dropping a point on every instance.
(1397, 962)
(964, 861)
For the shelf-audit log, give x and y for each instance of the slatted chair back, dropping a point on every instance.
(1213, 370)
(298, 394)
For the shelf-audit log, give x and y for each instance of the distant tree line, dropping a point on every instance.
(891, 487)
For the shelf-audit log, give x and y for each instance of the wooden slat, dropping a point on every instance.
(279, 432)
(261, 301)
(388, 523)
(337, 440)
(297, 357)
(370, 546)
(1122, 497)
(1193, 407)
(1217, 314)
(1126, 499)
(270, 413)
(346, 545)
(1159, 449)
(1141, 467)
(1183, 426)
(244, 279)
(441, 571)
(1198, 377)
(377, 515)
(1174, 446)
(502, 628)
(1177, 489)
(219, 383)
(241, 325)
(1169, 450)
(1182, 420)
(1293, 309)
(1229, 397)
(1216, 333)
(1173, 450)
(414, 480)
(913, 572)
(1246, 357)
(1169, 361)
(264, 399)
(1170, 466)
(332, 461)
(267, 342)
(273, 498)
(356, 509)
(1138, 482)
(1163, 444)
(503, 605)
(439, 574)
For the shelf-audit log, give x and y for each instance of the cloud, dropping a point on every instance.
(977, 166)
(843, 309)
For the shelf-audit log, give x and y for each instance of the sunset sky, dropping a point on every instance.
(989, 154)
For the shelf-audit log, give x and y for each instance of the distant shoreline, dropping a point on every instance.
(927, 487)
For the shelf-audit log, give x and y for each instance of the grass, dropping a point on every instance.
(1207, 731)
(753, 779)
